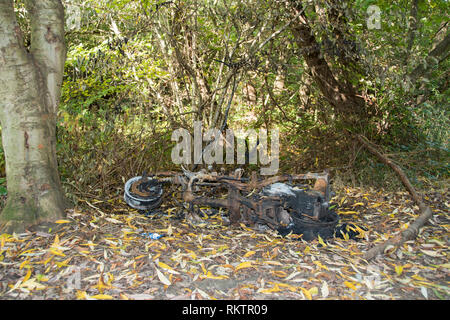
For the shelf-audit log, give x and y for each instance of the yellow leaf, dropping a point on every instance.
(102, 297)
(347, 212)
(242, 265)
(81, 295)
(321, 241)
(306, 293)
(320, 265)
(345, 235)
(399, 270)
(63, 221)
(249, 253)
(56, 242)
(203, 268)
(228, 266)
(275, 288)
(27, 276)
(27, 251)
(164, 266)
(350, 285)
(63, 263)
(23, 264)
(358, 204)
(57, 252)
(44, 262)
(3, 236)
(376, 205)
(279, 273)
(313, 291)
(192, 254)
(275, 263)
(291, 288)
(417, 277)
(243, 226)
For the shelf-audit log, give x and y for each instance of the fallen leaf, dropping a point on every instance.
(350, 285)
(357, 204)
(324, 290)
(275, 288)
(243, 265)
(424, 292)
(399, 270)
(140, 296)
(275, 263)
(313, 291)
(32, 284)
(348, 212)
(63, 221)
(162, 277)
(102, 297)
(431, 253)
(113, 220)
(27, 276)
(306, 293)
(292, 275)
(167, 267)
(249, 253)
(321, 241)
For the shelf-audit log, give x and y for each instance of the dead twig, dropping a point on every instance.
(413, 230)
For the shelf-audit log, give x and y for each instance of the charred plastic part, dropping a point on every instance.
(143, 193)
(308, 209)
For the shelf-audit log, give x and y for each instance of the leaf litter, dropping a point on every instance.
(98, 254)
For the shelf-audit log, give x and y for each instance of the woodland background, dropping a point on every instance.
(137, 70)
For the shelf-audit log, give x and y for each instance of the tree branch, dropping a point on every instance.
(413, 230)
(436, 56)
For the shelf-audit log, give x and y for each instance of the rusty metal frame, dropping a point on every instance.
(246, 209)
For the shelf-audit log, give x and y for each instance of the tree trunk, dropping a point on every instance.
(30, 86)
(343, 99)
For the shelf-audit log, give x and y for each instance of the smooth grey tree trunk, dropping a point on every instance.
(30, 86)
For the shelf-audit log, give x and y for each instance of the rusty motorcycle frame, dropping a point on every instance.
(300, 209)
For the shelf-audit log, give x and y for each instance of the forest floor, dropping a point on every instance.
(98, 252)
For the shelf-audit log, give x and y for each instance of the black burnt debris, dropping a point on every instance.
(279, 202)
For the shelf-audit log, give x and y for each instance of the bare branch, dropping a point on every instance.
(413, 230)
